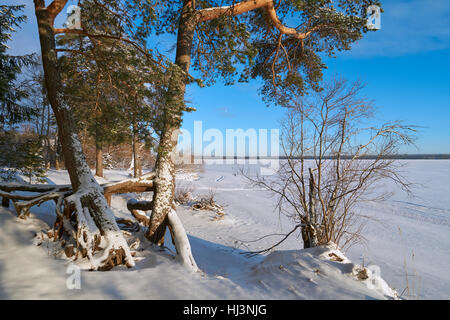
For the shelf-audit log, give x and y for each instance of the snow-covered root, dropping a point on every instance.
(85, 223)
(98, 236)
(177, 231)
(181, 240)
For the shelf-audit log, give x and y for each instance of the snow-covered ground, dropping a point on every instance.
(408, 238)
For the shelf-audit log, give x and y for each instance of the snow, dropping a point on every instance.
(184, 252)
(408, 238)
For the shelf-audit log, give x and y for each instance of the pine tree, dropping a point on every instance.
(219, 38)
(32, 164)
(110, 87)
(11, 94)
(22, 155)
(216, 37)
(18, 156)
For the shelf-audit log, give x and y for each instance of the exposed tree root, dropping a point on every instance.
(96, 233)
(181, 240)
(133, 205)
(177, 231)
(84, 220)
(86, 226)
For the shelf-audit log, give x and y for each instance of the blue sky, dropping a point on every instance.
(405, 65)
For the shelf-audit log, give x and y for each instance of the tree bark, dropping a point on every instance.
(57, 164)
(139, 160)
(137, 164)
(163, 197)
(98, 159)
(90, 206)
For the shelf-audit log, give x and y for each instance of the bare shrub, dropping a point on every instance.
(183, 193)
(334, 160)
(207, 202)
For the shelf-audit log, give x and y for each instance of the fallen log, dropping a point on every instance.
(12, 196)
(14, 186)
(142, 184)
(133, 205)
(23, 207)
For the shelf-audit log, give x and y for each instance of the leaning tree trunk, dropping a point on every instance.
(163, 197)
(97, 235)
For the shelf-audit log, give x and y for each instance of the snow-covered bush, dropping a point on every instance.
(22, 154)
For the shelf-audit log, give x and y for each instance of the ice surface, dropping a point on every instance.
(408, 238)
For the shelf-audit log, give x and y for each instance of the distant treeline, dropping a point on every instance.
(397, 156)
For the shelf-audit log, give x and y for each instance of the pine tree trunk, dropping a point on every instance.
(98, 160)
(163, 197)
(137, 166)
(56, 152)
(135, 171)
(138, 159)
(57, 164)
(95, 219)
(52, 157)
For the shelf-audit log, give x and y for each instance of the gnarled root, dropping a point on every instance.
(133, 206)
(181, 240)
(97, 234)
(87, 227)
(177, 231)
(84, 222)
